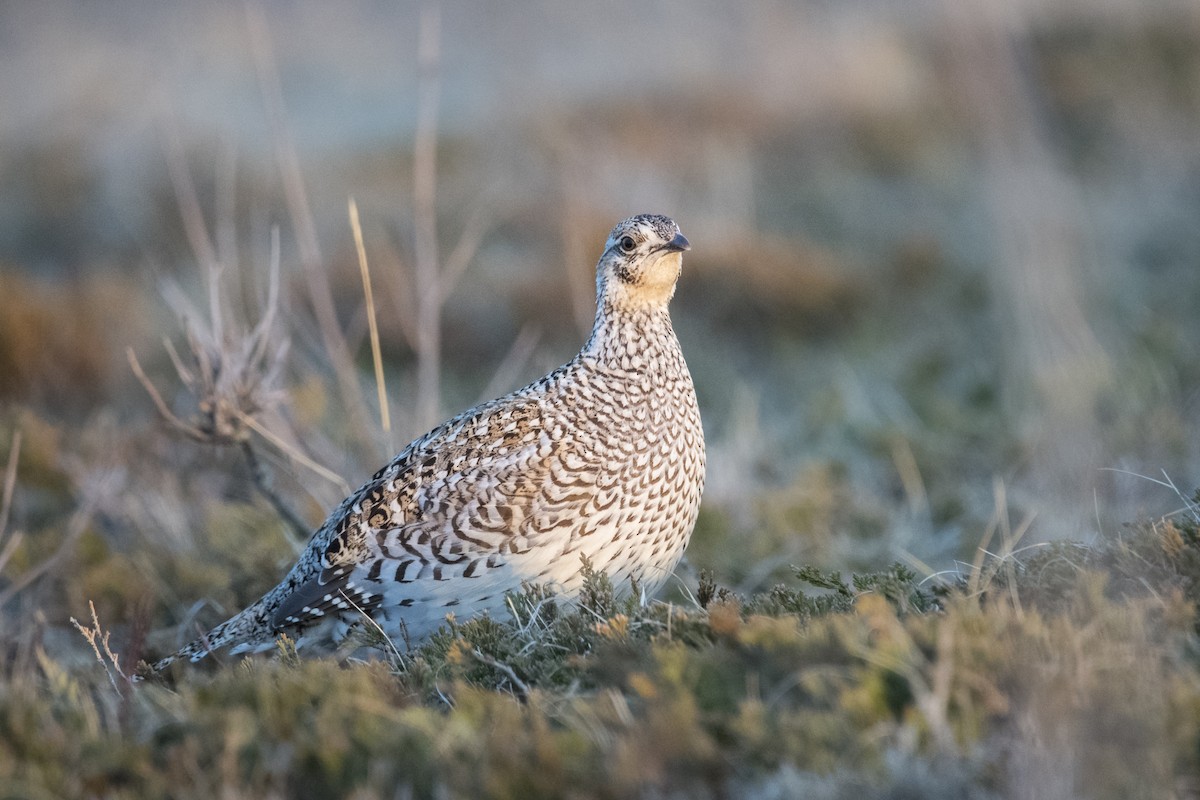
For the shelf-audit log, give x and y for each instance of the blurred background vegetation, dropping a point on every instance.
(942, 290)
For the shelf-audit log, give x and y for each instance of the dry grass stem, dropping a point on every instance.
(369, 620)
(1009, 560)
(333, 339)
(518, 355)
(190, 212)
(425, 239)
(98, 638)
(909, 473)
(262, 482)
(464, 251)
(94, 492)
(1190, 506)
(385, 421)
(1000, 501)
(501, 667)
(181, 368)
(987, 564)
(10, 483)
(225, 222)
(160, 405)
(294, 454)
(935, 703)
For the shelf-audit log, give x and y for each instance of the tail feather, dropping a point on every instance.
(244, 631)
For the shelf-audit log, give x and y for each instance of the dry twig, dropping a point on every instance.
(501, 667)
(98, 638)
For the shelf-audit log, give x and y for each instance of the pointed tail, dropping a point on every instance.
(248, 627)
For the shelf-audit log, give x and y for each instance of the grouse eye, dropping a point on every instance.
(627, 244)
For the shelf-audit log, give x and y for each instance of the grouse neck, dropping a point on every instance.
(620, 334)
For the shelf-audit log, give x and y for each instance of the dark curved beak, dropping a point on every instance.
(678, 244)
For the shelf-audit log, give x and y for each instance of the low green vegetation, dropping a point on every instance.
(1059, 670)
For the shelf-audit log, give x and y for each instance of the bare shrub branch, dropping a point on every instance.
(231, 373)
(98, 638)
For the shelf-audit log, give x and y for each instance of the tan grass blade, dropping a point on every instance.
(10, 484)
(293, 453)
(300, 210)
(385, 420)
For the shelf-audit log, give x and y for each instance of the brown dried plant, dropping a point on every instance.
(98, 638)
(232, 374)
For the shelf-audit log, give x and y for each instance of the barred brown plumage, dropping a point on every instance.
(601, 459)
